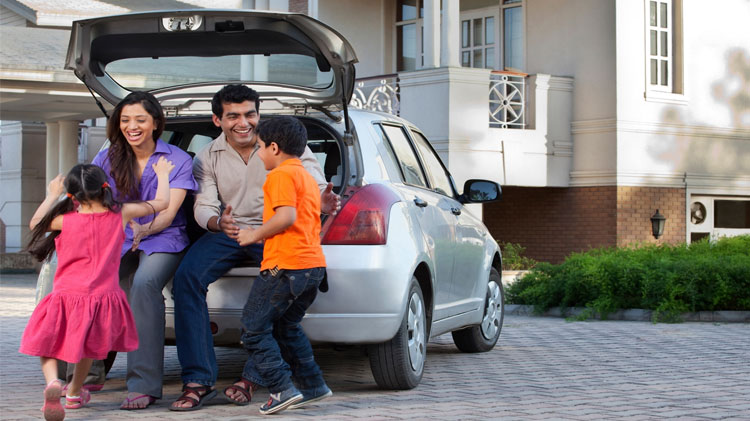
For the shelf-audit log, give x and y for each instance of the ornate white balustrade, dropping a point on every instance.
(380, 93)
(508, 100)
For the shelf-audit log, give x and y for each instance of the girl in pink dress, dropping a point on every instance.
(87, 314)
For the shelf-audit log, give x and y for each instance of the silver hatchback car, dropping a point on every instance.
(407, 260)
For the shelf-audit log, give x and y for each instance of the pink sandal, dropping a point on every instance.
(52, 409)
(89, 387)
(76, 402)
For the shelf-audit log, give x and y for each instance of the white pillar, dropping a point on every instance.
(312, 8)
(68, 145)
(52, 151)
(450, 35)
(431, 34)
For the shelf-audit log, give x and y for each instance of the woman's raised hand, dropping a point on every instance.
(163, 166)
(56, 186)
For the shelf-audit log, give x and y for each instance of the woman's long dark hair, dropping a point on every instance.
(85, 183)
(122, 162)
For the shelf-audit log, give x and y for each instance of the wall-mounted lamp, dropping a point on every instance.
(657, 224)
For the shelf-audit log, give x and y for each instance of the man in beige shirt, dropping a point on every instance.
(230, 176)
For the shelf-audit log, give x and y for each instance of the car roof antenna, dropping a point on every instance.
(101, 107)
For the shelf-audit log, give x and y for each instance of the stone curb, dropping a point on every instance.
(638, 315)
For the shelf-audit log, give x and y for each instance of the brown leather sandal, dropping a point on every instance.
(203, 393)
(246, 389)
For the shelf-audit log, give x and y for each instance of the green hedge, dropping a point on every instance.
(670, 279)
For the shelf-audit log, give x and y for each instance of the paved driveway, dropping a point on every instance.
(542, 368)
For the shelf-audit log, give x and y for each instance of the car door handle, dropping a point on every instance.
(419, 202)
(456, 211)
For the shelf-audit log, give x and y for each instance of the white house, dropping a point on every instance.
(592, 114)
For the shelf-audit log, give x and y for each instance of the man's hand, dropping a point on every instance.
(330, 202)
(247, 236)
(228, 224)
(139, 232)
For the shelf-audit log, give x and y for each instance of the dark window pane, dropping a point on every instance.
(465, 34)
(732, 214)
(652, 15)
(407, 10)
(407, 43)
(664, 49)
(513, 38)
(478, 30)
(407, 159)
(697, 236)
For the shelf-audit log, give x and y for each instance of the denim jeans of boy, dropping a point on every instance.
(273, 336)
(207, 260)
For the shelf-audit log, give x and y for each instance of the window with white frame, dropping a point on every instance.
(512, 35)
(663, 46)
(492, 34)
(409, 31)
(478, 35)
(492, 37)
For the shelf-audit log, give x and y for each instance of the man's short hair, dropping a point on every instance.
(233, 94)
(288, 132)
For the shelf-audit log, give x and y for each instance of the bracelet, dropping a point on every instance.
(218, 223)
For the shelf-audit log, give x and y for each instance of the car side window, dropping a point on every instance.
(405, 155)
(436, 172)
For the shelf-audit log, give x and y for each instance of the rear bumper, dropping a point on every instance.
(365, 303)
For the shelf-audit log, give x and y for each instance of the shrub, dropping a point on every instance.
(513, 259)
(669, 279)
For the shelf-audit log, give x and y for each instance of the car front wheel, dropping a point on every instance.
(399, 363)
(483, 337)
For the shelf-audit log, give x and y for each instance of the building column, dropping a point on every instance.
(450, 35)
(22, 186)
(52, 151)
(68, 145)
(431, 34)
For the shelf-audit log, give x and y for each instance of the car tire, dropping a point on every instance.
(399, 363)
(483, 337)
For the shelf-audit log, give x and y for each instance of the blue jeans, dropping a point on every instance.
(208, 259)
(273, 336)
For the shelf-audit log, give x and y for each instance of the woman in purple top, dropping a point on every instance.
(153, 245)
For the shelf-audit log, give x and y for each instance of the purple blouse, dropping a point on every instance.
(174, 238)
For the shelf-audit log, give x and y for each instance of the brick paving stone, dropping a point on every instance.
(542, 368)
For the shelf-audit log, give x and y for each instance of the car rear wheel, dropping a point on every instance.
(399, 363)
(483, 337)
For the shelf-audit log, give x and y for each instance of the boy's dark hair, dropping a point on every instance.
(233, 94)
(85, 183)
(286, 131)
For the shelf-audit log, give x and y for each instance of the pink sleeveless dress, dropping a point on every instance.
(87, 313)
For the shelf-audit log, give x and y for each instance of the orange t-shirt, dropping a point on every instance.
(297, 247)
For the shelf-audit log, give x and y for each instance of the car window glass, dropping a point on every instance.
(197, 143)
(405, 155)
(147, 73)
(436, 173)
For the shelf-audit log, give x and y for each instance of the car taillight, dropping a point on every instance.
(364, 218)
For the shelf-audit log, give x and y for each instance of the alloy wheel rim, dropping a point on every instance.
(415, 324)
(492, 311)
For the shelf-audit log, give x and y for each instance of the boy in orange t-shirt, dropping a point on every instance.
(293, 267)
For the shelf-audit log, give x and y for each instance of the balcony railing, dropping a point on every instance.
(508, 100)
(379, 93)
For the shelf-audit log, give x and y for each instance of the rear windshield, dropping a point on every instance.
(162, 72)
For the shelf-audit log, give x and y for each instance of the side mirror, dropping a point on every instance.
(480, 191)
